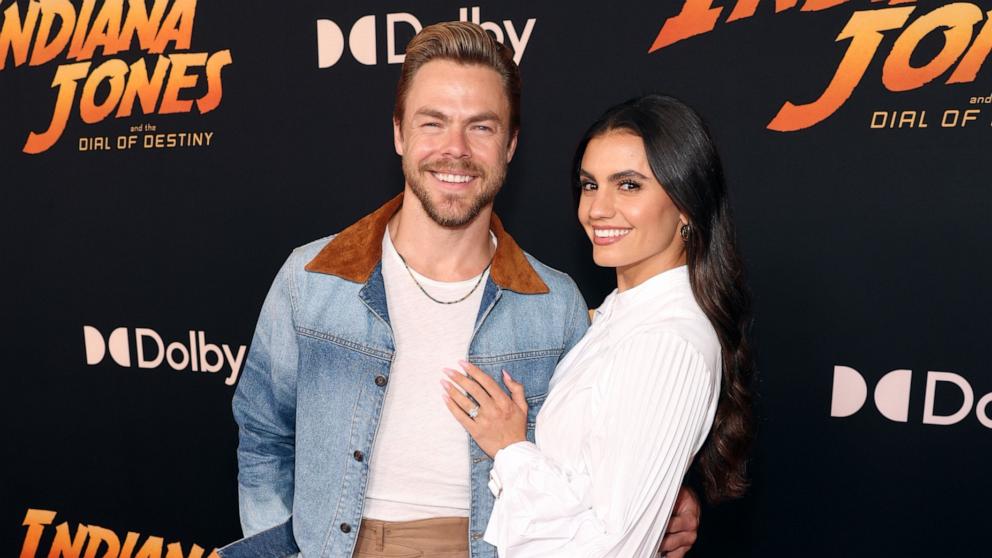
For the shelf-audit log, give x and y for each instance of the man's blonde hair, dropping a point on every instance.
(465, 43)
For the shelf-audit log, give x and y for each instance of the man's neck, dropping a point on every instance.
(438, 252)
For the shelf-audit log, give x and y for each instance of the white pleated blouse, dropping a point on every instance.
(628, 408)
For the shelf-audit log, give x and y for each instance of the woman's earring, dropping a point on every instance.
(684, 232)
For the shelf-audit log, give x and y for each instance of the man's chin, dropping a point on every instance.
(451, 217)
(449, 209)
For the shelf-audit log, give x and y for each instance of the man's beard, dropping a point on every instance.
(454, 210)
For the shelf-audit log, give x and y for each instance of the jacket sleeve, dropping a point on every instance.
(265, 410)
(656, 406)
(577, 319)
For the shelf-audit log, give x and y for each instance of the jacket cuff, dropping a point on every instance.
(276, 542)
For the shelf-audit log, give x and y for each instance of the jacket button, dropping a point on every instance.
(358, 455)
(345, 528)
(380, 381)
(476, 535)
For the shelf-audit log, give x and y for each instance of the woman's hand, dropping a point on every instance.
(494, 420)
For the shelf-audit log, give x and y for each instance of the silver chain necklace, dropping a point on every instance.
(428, 295)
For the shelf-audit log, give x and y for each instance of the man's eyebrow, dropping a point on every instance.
(618, 176)
(432, 113)
(483, 116)
(435, 113)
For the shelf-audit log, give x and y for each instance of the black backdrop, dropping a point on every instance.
(866, 248)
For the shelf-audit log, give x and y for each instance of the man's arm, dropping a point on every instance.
(683, 527)
(265, 410)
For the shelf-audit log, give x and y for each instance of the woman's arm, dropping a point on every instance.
(655, 408)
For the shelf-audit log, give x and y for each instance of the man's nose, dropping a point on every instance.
(456, 144)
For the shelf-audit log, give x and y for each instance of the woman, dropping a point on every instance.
(661, 375)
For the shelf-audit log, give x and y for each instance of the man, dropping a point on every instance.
(331, 462)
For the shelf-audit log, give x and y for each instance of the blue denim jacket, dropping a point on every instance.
(310, 396)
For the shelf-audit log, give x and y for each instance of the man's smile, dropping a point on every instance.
(452, 178)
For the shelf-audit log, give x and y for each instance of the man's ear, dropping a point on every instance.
(398, 136)
(512, 147)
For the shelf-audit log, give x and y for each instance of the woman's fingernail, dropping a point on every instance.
(450, 373)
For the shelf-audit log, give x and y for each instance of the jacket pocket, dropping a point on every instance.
(533, 369)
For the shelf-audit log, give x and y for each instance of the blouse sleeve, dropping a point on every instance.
(657, 403)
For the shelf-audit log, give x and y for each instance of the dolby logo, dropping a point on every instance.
(194, 353)
(891, 396)
(364, 48)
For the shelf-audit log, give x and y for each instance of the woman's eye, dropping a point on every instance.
(588, 186)
(629, 186)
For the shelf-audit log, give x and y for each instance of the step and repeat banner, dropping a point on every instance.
(160, 159)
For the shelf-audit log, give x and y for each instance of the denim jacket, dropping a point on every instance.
(310, 396)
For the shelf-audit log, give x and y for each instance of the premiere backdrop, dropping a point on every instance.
(160, 159)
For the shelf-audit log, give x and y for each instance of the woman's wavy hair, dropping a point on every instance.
(683, 158)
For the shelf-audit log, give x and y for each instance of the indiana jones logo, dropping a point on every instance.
(47, 29)
(967, 34)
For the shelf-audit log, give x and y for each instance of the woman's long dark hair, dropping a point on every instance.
(683, 158)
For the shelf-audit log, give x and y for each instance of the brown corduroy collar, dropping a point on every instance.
(355, 251)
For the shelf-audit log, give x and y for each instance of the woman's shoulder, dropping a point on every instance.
(686, 325)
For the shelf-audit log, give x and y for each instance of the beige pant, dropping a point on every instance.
(441, 537)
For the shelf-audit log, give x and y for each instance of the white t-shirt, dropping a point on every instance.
(420, 460)
(628, 408)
